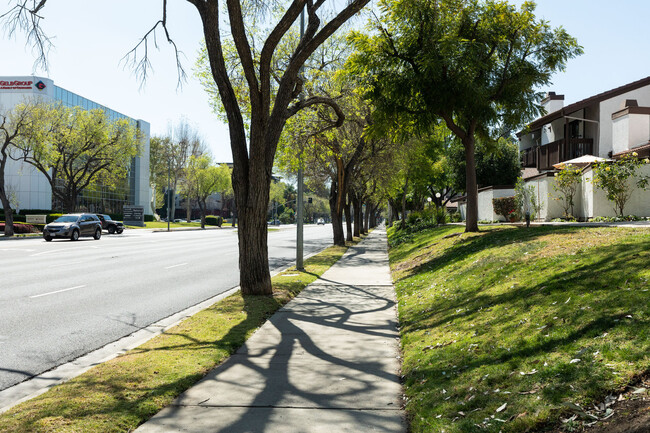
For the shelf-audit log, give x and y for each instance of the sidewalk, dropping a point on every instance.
(326, 362)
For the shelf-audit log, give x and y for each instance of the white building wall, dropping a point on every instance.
(595, 202)
(629, 131)
(142, 185)
(612, 105)
(485, 206)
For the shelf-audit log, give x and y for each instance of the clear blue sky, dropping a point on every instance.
(91, 37)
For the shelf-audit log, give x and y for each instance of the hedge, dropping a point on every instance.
(212, 220)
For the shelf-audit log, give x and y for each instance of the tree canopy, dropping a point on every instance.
(474, 65)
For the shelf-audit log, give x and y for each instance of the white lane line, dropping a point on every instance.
(57, 291)
(45, 252)
(66, 264)
(175, 266)
(15, 249)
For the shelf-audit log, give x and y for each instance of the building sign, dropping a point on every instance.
(133, 215)
(17, 85)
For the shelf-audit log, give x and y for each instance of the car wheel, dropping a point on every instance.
(98, 234)
(119, 231)
(75, 235)
(47, 238)
(111, 230)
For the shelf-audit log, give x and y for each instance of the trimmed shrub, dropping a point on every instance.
(504, 206)
(36, 211)
(213, 220)
(149, 218)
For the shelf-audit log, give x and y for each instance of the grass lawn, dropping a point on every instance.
(121, 394)
(510, 328)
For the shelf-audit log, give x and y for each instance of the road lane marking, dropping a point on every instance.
(67, 263)
(57, 291)
(175, 266)
(45, 252)
(15, 249)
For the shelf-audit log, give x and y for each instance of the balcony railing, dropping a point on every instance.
(544, 157)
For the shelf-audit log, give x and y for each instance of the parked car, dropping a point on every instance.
(111, 225)
(73, 226)
(320, 221)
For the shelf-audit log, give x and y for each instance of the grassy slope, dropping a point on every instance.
(120, 394)
(533, 318)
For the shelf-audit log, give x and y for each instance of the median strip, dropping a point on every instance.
(122, 393)
(57, 291)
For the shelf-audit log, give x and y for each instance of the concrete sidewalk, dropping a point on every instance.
(326, 362)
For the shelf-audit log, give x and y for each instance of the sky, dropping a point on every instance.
(91, 37)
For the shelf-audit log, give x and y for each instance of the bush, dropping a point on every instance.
(51, 217)
(35, 211)
(504, 206)
(213, 220)
(149, 218)
(21, 228)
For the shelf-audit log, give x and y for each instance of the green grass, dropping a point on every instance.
(121, 394)
(531, 318)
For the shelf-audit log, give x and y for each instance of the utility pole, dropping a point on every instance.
(299, 231)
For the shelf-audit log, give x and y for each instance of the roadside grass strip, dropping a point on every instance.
(119, 395)
(514, 329)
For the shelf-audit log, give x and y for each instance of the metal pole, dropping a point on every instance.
(169, 205)
(299, 228)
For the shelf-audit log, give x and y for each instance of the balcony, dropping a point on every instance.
(544, 157)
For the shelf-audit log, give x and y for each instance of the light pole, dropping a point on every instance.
(299, 198)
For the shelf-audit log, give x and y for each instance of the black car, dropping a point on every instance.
(111, 225)
(73, 226)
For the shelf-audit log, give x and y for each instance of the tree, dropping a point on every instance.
(205, 179)
(471, 64)
(78, 149)
(272, 95)
(566, 183)
(497, 163)
(615, 179)
(168, 160)
(20, 123)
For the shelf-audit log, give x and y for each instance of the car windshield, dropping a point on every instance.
(107, 218)
(66, 219)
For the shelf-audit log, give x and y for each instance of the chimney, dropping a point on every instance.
(552, 102)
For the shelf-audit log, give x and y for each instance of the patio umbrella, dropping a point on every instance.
(581, 161)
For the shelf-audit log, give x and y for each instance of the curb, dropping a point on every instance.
(41, 383)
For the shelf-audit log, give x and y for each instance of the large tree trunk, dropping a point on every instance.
(356, 206)
(366, 218)
(9, 212)
(189, 210)
(373, 217)
(202, 207)
(337, 221)
(471, 214)
(348, 222)
(252, 201)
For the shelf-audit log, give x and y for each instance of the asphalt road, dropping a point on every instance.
(60, 300)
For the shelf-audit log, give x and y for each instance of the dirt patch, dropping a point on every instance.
(631, 413)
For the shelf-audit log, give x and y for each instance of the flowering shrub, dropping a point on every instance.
(20, 228)
(566, 183)
(614, 179)
(505, 206)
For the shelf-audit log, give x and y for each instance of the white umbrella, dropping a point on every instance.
(581, 161)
